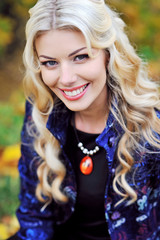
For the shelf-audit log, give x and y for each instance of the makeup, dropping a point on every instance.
(75, 93)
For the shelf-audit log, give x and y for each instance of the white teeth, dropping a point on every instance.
(75, 92)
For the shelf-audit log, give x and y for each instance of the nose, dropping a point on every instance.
(67, 75)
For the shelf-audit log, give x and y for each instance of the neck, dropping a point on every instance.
(93, 119)
(91, 122)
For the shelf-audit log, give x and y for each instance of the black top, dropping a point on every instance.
(88, 221)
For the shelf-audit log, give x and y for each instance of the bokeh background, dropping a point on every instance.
(143, 27)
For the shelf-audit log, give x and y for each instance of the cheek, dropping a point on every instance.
(97, 69)
(98, 74)
(48, 78)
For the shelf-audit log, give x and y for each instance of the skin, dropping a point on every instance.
(77, 79)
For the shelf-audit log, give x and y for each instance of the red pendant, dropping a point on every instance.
(86, 165)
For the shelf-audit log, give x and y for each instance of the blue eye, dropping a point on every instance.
(49, 63)
(81, 57)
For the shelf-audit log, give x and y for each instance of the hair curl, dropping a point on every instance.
(136, 96)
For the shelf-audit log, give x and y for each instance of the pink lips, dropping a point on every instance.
(78, 95)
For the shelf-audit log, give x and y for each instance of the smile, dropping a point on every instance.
(74, 93)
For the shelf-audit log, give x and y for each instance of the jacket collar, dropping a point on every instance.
(59, 119)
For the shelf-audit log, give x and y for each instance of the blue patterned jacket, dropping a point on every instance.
(139, 221)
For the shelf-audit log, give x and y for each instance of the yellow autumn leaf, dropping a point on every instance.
(14, 223)
(13, 226)
(3, 232)
(11, 153)
(9, 160)
(9, 171)
(8, 227)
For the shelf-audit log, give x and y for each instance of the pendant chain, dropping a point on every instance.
(80, 144)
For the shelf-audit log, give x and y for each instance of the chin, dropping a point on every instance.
(77, 108)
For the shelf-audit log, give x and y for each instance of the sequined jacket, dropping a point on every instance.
(139, 221)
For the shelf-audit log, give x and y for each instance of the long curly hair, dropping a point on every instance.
(134, 96)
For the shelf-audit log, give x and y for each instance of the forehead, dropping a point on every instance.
(57, 41)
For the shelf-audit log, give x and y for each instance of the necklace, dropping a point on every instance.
(86, 164)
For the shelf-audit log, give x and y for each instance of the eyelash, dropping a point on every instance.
(47, 62)
(84, 56)
(79, 58)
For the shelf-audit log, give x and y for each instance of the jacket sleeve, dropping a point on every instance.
(34, 223)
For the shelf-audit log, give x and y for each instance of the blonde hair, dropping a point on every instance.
(133, 95)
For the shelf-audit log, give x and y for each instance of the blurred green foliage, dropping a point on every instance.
(12, 113)
(142, 16)
(6, 32)
(10, 124)
(12, 15)
(143, 19)
(9, 189)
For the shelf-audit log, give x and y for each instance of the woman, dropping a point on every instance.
(90, 164)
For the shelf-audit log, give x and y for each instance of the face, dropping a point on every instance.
(66, 68)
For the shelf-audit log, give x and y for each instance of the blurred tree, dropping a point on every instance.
(142, 16)
(13, 15)
(143, 19)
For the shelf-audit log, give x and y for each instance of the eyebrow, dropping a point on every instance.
(71, 54)
(78, 50)
(46, 57)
